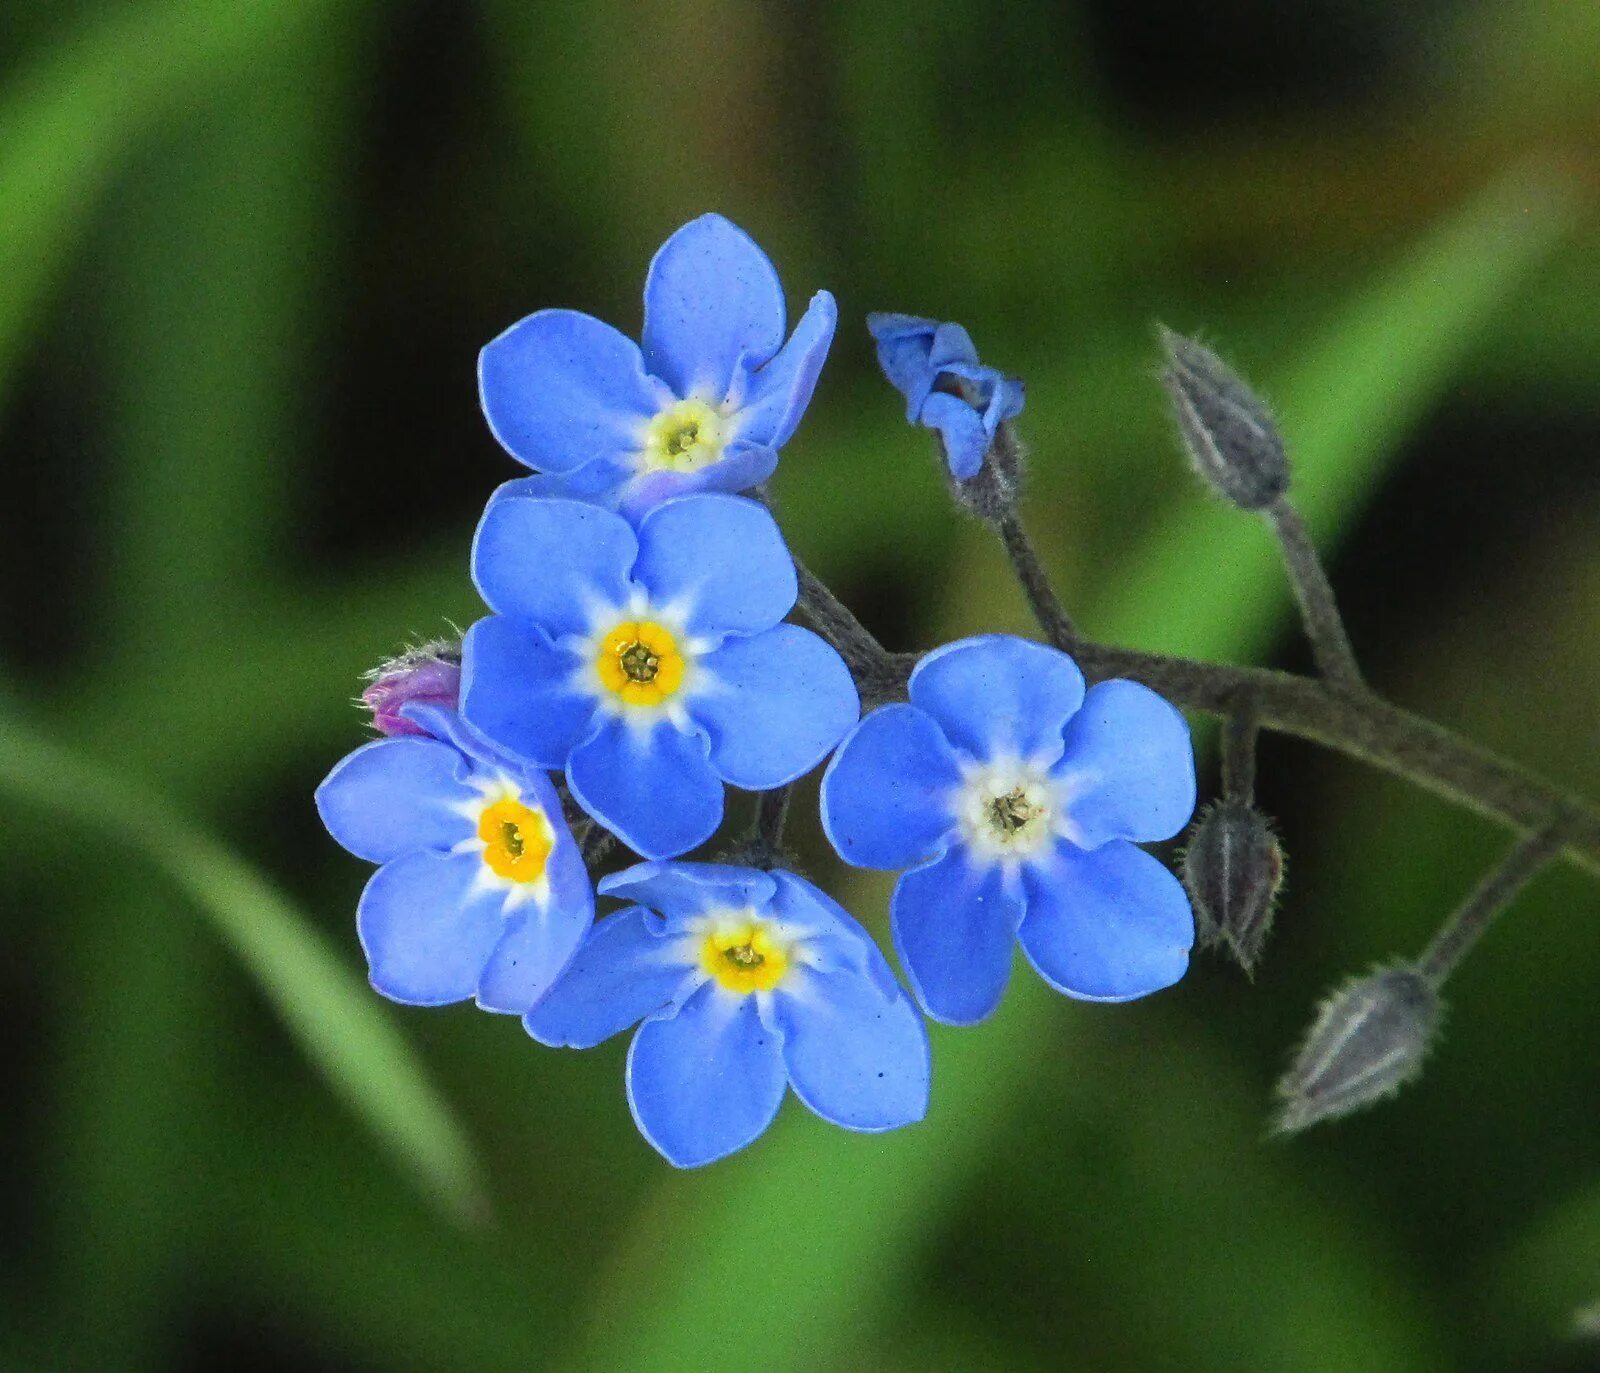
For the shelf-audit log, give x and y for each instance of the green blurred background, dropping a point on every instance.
(248, 251)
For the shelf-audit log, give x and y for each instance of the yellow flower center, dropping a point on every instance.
(517, 840)
(639, 663)
(745, 957)
(684, 437)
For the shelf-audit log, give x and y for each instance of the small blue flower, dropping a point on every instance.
(651, 664)
(746, 983)
(705, 405)
(482, 891)
(936, 368)
(1017, 801)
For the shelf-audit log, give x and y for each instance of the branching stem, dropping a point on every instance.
(1319, 612)
(1463, 930)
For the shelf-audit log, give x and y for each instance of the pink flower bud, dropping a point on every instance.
(429, 675)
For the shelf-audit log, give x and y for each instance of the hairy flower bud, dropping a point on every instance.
(1369, 1040)
(1233, 869)
(1232, 441)
(427, 675)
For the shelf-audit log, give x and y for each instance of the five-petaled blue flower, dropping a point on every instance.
(746, 982)
(650, 663)
(936, 368)
(1017, 801)
(482, 891)
(705, 404)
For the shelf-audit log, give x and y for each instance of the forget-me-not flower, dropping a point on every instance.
(704, 404)
(1017, 801)
(649, 662)
(747, 983)
(481, 890)
(935, 367)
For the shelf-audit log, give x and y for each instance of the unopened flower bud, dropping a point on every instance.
(1232, 441)
(1369, 1040)
(428, 675)
(1233, 869)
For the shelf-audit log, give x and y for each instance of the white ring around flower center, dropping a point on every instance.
(1007, 810)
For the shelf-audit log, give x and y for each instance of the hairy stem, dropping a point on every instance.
(1239, 733)
(1330, 645)
(1359, 724)
(1463, 930)
(1042, 598)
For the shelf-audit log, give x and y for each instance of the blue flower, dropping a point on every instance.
(1017, 801)
(705, 404)
(651, 664)
(746, 983)
(936, 368)
(482, 891)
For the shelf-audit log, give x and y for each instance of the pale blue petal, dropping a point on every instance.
(855, 1056)
(1127, 767)
(707, 1081)
(741, 466)
(886, 794)
(652, 788)
(681, 890)
(553, 563)
(561, 389)
(394, 796)
(427, 932)
(776, 395)
(521, 692)
(711, 299)
(596, 483)
(1106, 925)
(540, 940)
(954, 923)
(622, 973)
(774, 705)
(905, 343)
(996, 695)
(833, 938)
(449, 725)
(717, 560)
(961, 429)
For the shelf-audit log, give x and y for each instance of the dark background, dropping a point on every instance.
(248, 252)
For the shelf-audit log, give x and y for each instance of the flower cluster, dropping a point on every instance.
(638, 660)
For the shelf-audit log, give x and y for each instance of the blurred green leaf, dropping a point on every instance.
(833, 1220)
(66, 124)
(338, 1022)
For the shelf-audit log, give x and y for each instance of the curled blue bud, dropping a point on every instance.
(935, 367)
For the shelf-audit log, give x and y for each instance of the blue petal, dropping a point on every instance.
(596, 483)
(622, 973)
(954, 922)
(741, 466)
(561, 389)
(554, 563)
(427, 932)
(1106, 925)
(833, 938)
(450, 726)
(651, 787)
(855, 1056)
(541, 940)
(719, 561)
(905, 343)
(1127, 767)
(774, 705)
(885, 795)
(711, 299)
(961, 429)
(394, 796)
(522, 692)
(707, 1081)
(680, 890)
(777, 395)
(997, 695)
